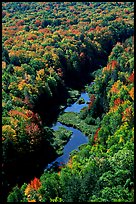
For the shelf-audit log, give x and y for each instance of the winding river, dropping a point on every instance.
(77, 138)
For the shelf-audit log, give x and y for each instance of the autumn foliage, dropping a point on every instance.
(35, 184)
(117, 101)
(49, 49)
(96, 134)
(92, 99)
(131, 77)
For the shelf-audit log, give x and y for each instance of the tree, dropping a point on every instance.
(5, 55)
(15, 60)
(15, 196)
(45, 23)
(87, 185)
(71, 188)
(50, 188)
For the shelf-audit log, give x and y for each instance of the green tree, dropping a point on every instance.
(15, 196)
(50, 188)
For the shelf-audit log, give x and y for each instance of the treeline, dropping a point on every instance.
(46, 51)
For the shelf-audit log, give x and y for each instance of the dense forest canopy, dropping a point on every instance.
(48, 50)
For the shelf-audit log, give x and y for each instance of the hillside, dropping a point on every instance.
(49, 49)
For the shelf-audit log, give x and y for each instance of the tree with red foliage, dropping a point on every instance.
(131, 77)
(35, 184)
(32, 129)
(117, 101)
(113, 64)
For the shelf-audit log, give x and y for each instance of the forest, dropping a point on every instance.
(51, 51)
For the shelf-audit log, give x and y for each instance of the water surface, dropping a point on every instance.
(76, 139)
(75, 107)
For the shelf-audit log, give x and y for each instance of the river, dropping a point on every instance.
(77, 138)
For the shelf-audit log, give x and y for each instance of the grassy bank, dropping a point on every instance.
(72, 119)
(61, 136)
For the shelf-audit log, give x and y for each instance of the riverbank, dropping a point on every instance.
(72, 119)
(69, 136)
(61, 137)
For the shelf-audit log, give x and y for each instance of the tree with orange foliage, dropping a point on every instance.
(92, 99)
(131, 77)
(128, 116)
(131, 93)
(96, 134)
